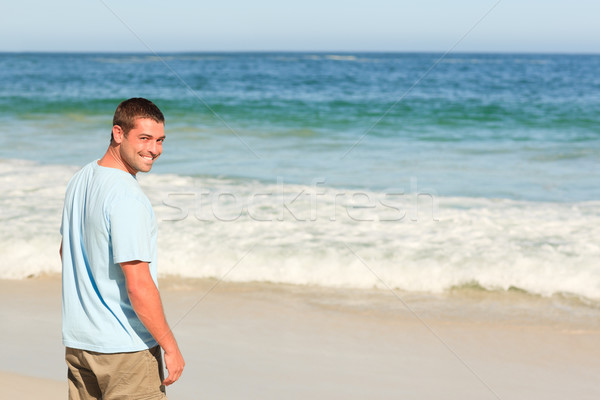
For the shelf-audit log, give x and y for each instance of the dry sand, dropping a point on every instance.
(260, 341)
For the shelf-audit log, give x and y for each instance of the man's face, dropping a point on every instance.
(142, 145)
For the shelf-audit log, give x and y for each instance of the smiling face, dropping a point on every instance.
(141, 146)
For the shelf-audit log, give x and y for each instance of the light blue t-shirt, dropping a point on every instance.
(107, 219)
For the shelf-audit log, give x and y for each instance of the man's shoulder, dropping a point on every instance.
(80, 179)
(107, 183)
(85, 170)
(121, 189)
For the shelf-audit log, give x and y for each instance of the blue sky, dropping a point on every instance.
(310, 25)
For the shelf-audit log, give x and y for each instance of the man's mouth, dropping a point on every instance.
(147, 158)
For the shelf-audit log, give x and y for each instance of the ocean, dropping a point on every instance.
(415, 172)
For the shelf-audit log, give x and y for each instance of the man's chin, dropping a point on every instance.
(145, 166)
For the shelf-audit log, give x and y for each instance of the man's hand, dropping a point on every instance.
(174, 363)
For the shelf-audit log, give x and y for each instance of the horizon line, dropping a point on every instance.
(491, 52)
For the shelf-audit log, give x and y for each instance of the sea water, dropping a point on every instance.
(416, 172)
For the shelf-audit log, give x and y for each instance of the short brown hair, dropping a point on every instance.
(136, 107)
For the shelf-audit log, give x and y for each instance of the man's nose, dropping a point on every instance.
(153, 148)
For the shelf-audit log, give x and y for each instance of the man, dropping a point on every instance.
(113, 320)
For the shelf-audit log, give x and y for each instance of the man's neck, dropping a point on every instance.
(111, 159)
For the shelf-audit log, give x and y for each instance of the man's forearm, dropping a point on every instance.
(145, 300)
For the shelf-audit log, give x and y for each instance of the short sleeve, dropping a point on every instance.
(130, 231)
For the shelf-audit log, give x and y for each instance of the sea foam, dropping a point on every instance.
(244, 230)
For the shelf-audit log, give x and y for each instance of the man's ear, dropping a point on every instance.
(118, 134)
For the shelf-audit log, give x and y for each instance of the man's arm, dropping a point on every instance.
(146, 302)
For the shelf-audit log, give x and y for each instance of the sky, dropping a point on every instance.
(541, 26)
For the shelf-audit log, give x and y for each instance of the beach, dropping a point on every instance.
(265, 341)
(330, 225)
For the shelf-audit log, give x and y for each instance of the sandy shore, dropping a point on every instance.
(260, 341)
(16, 386)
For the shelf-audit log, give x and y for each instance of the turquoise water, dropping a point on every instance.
(481, 125)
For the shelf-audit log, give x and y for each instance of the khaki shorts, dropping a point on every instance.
(114, 376)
